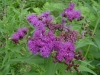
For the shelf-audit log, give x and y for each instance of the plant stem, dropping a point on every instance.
(87, 50)
(92, 36)
(95, 26)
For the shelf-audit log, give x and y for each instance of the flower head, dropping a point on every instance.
(19, 34)
(15, 37)
(71, 13)
(65, 52)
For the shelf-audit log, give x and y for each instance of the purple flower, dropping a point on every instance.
(31, 16)
(37, 34)
(77, 15)
(65, 52)
(60, 56)
(71, 6)
(38, 46)
(39, 43)
(19, 34)
(51, 35)
(46, 18)
(25, 30)
(45, 14)
(70, 46)
(70, 57)
(43, 41)
(45, 51)
(57, 45)
(15, 37)
(49, 19)
(46, 43)
(40, 25)
(64, 21)
(33, 19)
(71, 14)
(50, 45)
(71, 36)
(32, 47)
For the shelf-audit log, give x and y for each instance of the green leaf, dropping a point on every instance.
(15, 11)
(83, 42)
(97, 39)
(6, 70)
(46, 5)
(84, 68)
(5, 59)
(53, 6)
(90, 7)
(32, 59)
(30, 73)
(50, 67)
(12, 72)
(87, 63)
(62, 71)
(95, 62)
(37, 10)
(96, 54)
(3, 30)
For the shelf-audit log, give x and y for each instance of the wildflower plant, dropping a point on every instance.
(47, 43)
(49, 39)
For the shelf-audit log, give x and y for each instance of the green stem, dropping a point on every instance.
(92, 36)
(87, 50)
(95, 26)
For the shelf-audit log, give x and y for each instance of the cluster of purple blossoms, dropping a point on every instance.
(45, 41)
(71, 13)
(40, 21)
(42, 43)
(71, 36)
(65, 52)
(19, 34)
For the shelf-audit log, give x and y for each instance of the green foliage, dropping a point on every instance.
(83, 42)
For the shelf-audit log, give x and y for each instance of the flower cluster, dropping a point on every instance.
(65, 52)
(42, 43)
(40, 21)
(45, 40)
(71, 13)
(19, 34)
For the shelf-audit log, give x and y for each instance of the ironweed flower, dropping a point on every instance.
(65, 52)
(19, 34)
(40, 21)
(54, 39)
(70, 13)
(15, 37)
(45, 40)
